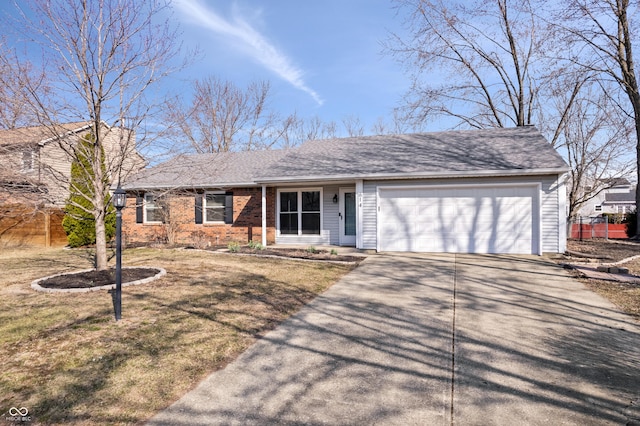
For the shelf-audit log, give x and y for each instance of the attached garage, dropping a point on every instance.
(464, 191)
(500, 218)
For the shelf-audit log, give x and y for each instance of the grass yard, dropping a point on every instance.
(626, 296)
(66, 360)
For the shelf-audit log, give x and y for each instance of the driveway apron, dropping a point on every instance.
(434, 339)
(533, 346)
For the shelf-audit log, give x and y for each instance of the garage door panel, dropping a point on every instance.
(465, 220)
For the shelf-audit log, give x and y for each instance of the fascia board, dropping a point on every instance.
(183, 187)
(429, 175)
(70, 132)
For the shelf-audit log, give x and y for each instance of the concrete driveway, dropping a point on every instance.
(435, 339)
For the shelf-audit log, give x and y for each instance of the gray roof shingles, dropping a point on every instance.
(38, 134)
(522, 148)
(422, 154)
(223, 169)
(620, 197)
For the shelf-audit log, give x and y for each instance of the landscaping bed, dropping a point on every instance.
(66, 360)
(90, 279)
(308, 254)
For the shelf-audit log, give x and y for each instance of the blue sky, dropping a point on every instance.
(322, 57)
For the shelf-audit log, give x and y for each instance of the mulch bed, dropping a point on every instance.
(107, 277)
(97, 278)
(293, 253)
(302, 254)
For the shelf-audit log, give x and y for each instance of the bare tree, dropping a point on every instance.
(15, 110)
(471, 62)
(353, 125)
(593, 137)
(499, 64)
(601, 34)
(314, 128)
(103, 56)
(299, 130)
(397, 125)
(223, 117)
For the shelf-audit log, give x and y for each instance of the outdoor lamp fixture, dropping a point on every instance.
(335, 199)
(119, 200)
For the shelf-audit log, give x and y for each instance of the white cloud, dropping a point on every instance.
(257, 45)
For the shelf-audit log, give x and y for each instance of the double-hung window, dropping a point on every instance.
(214, 207)
(289, 213)
(299, 212)
(153, 209)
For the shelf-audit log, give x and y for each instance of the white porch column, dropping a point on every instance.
(264, 215)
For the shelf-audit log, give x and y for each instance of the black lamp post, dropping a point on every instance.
(119, 201)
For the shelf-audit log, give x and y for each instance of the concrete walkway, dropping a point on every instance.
(435, 339)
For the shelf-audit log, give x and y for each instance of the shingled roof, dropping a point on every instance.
(491, 151)
(223, 169)
(620, 197)
(37, 134)
(521, 150)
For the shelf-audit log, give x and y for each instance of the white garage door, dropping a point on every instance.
(479, 219)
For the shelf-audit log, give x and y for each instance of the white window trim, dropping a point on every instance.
(598, 208)
(299, 191)
(204, 208)
(144, 209)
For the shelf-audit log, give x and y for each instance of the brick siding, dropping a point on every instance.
(181, 227)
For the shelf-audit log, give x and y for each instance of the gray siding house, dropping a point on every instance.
(477, 191)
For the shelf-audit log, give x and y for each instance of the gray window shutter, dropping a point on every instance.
(198, 209)
(228, 208)
(139, 207)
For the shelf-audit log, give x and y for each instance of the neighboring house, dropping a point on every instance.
(33, 159)
(34, 176)
(618, 197)
(479, 191)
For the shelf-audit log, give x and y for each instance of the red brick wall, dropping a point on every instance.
(182, 229)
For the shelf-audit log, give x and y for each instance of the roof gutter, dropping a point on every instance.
(429, 175)
(351, 177)
(187, 187)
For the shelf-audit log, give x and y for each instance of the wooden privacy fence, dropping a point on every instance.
(585, 231)
(22, 225)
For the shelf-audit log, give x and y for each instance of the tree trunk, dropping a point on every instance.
(637, 115)
(101, 235)
(101, 244)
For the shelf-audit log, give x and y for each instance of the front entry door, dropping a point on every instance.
(347, 216)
